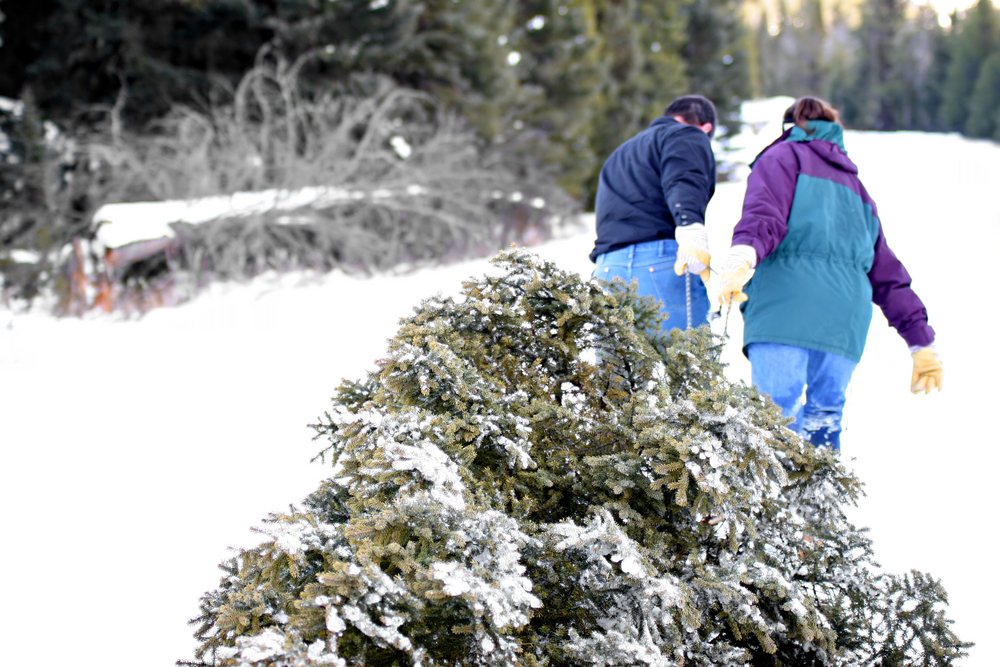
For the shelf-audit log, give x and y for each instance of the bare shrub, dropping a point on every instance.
(399, 179)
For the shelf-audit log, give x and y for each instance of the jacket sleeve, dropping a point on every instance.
(687, 173)
(892, 293)
(768, 201)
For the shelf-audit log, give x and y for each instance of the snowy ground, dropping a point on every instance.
(135, 452)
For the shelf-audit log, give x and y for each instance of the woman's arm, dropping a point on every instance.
(892, 293)
(768, 200)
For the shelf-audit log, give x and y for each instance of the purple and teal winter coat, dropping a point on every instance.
(823, 258)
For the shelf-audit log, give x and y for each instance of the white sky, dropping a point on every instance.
(135, 452)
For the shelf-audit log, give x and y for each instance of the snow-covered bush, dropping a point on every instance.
(535, 475)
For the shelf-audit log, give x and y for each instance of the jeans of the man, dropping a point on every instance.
(783, 371)
(651, 264)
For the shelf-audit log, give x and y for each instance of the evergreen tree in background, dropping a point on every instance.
(889, 66)
(977, 36)
(774, 61)
(537, 476)
(716, 58)
(915, 86)
(163, 52)
(446, 48)
(841, 50)
(79, 53)
(756, 28)
(941, 49)
(787, 45)
(892, 86)
(618, 109)
(811, 38)
(984, 105)
(665, 63)
(638, 53)
(657, 50)
(881, 23)
(559, 67)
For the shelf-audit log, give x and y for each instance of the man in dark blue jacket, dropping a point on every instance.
(650, 207)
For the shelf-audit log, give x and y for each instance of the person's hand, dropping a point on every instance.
(735, 273)
(732, 285)
(928, 371)
(692, 251)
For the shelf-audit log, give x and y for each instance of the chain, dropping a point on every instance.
(712, 315)
(687, 296)
(716, 314)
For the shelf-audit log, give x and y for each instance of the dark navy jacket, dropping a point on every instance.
(659, 179)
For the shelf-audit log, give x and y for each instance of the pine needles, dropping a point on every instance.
(494, 504)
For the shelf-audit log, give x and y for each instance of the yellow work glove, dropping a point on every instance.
(928, 371)
(692, 251)
(735, 273)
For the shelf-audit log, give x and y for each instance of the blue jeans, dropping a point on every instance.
(784, 371)
(651, 264)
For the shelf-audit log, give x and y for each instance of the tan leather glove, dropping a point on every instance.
(692, 251)
(928, 371)
(735, 273)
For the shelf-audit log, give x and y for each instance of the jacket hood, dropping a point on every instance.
(826, 139)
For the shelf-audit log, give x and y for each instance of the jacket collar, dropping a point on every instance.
(823, 130)
(664, 120)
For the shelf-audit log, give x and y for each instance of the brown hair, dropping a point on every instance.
(806, 109)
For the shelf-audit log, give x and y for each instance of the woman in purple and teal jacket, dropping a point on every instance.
(811, 246)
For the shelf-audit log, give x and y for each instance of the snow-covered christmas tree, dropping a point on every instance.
(536, 475)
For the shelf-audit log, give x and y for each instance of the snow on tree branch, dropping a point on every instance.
(537, 476)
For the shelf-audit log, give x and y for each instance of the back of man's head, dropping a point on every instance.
(694, 109)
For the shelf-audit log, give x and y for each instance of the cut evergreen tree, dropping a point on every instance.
(536, 475)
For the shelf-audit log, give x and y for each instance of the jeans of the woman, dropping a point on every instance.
(651, 264)
(784, 371)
